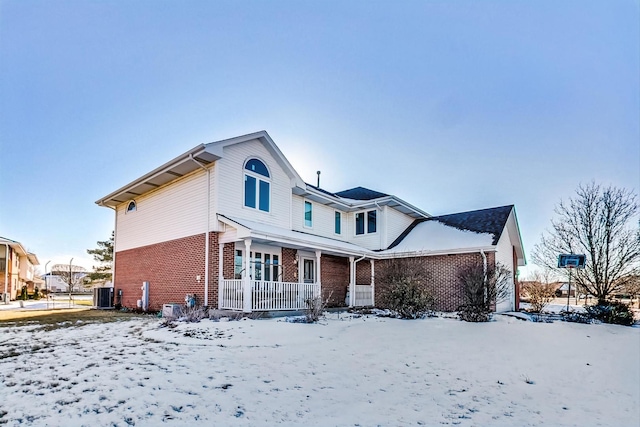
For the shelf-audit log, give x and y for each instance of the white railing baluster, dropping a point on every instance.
(268, 296)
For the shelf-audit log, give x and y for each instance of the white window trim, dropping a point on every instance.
(304, 213)
(258, 178)
(366, 223)
(135, 207)
(334, 223)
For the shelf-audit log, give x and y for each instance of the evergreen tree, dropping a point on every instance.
(103, 254)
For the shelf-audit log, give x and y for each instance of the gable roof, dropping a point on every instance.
(487, 221)
(196, 158)
(361, 193)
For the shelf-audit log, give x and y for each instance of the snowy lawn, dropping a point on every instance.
(346, 371)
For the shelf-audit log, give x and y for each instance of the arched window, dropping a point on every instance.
(255, 165)
(131, 206)
(257, 185)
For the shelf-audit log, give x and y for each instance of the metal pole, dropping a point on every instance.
(46, 283)
(70, 281)
(569, 291)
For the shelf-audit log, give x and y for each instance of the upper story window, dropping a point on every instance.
(338, 223)
(257, 185)
(366, 221)
(308, 214)
(131, 206)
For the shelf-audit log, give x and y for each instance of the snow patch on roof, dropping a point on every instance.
(431, 236)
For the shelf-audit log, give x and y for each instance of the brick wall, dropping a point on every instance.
(214, 250)
(335, 279)
(363, 272)
(228, 260)
(170, 268)
(443, 283)
(290, 273)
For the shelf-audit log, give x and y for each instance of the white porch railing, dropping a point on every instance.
(231, 291)
(364, 295)
(266, 296)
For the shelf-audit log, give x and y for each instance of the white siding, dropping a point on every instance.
(396, 222)
(176, 210)
(230, 189)
(367, 240)
(504, 256)
(323, 219)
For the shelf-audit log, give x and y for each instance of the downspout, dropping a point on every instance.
(113, 261)
(484, 269)
(352, 295)
(206, 240)
(6, 271)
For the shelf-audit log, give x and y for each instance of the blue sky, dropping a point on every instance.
(451, 106)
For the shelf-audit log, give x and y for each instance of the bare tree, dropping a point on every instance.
(539, 291)
(595, 222)
(72, 275)
(485, 285)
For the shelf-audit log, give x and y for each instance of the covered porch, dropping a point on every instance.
(264, 268)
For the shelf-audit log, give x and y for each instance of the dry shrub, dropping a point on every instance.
(539, 294)
(315, 308)
(483, 286)
(405, 284)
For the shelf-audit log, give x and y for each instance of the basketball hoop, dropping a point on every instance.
(571, 261)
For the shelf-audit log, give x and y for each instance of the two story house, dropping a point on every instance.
(17, 269)
(233, 224)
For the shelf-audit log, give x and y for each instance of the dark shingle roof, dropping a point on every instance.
(491, 220)
(361, 193)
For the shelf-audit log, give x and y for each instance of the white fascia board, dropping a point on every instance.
(33, 259)
(412, 254)
(271, 146)
(188, 156)
(387, 200)
(16, 246)
(514, 230)
(246, 232)
(315, 246)
(333, 201)
(354, 205)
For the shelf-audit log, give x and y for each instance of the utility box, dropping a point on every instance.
(171, 310)
(103, 297)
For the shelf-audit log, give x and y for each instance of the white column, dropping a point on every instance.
(246, 292)
(352, 281)
(318, 281)
(220, 273)
(373, 283)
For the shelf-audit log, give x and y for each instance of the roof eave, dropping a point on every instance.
(170, 171)
(408, 254)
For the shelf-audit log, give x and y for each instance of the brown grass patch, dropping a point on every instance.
(53, 319)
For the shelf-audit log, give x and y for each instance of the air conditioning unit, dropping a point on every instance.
(171, 310)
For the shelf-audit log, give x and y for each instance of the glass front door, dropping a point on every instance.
(309, 271)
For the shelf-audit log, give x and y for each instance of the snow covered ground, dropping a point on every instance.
(346, 371)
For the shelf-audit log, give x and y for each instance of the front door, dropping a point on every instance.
(309, 271)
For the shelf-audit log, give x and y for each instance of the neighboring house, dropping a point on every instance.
(17, 269)
(56, 283)
(232, 223)
(562, 289)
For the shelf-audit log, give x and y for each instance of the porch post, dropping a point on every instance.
(246, 288)
(373, 282)
(318, 281)
(220, 273)
(352, 281)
